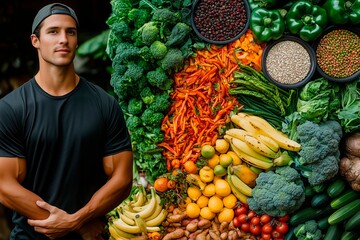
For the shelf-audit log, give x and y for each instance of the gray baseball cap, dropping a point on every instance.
(51, 9)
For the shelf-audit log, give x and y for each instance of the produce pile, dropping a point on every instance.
(219, 151)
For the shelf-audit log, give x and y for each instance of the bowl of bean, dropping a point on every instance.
(338, 53)
(220, 21)
(288, 62)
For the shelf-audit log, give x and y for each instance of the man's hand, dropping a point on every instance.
(58, 224)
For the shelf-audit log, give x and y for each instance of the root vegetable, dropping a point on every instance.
(204, 223)
(176, 218)
(223, 226)
(213, 235)
(350, 170)
(224, 235)
(192, 226)
(352, 144)
(177, 234)
(202, 236)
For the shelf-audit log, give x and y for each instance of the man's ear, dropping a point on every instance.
(34, 40)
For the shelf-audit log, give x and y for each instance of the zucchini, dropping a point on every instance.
(353, 222)
(336, 187)
(290, 235)
(319, 200)
(309, 213)
(344, 212)
(334, 232)
(344, 199)
(309, 192)
(323, 223)
(350, 235)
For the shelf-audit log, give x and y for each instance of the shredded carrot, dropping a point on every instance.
(201, 102)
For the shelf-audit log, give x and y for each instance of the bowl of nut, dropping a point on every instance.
(220, 21)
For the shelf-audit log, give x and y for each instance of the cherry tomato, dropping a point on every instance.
(267, 228)
(240, 210)
(266, 236)
(282, 227)
(251, 214)
(236, 222)
(265, 218)
(276, 234)
(245, 227)
(243, 218)
(284, 218)
(255, 220)
(255, 229)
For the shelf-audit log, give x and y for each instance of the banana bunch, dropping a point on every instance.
(241, 190)
(143, 214)
(257, 142)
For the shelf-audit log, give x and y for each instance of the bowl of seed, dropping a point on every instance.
(338, 53)
(220, 21)
(288, 62)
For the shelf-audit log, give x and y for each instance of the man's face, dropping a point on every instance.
(58, 40)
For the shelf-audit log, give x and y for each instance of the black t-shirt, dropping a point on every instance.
(63, 139)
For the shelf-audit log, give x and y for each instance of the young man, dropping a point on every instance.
(65, 152)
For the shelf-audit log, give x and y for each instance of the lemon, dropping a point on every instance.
(215, 204)
(221, 145)
(230, 201)
(206, 174)
(226, 215)
(222, 188)
(207, 151)
(235, 157)
(209, 190)
(213, 161)
(202, 201)
(192, 210)
(219, 170)
(193, 192)
(225, 159)
(206, 213)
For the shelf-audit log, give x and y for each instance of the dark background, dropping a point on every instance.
(18, 58)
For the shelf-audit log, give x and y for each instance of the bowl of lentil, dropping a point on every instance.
(288, 62)
(220, 21)
(338, 53)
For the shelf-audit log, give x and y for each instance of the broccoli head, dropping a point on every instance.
(149, 33)
(135, 106)
(159, 78)
(139, 17)
(320, 153)
(125, 52)
(158, 50)
(120, 8)
(145, 54)
(151, 118)
(134, 71)
(161, 102)
(278, 192)
(147, 95)
(121, 30)
(133, 122)
(155, 134)
(308, 231)
(165, 15)
(172, 61)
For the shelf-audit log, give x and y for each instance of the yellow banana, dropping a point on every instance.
(195, 179)
(244, 173)
(271, 143)
(238, 133)
(147, 211)
(158, 219)
(265, 128)
(239, 195)
(140, 223)
(241, 186)
(120, 224)
(252, 160)
(243, 123)
(157, 210)
(127, 220)
(241, 145)
(119, 234)
(140, 198)
(260, 147)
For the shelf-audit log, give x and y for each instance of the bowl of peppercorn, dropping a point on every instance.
(220, 21)
(338, 53)
(288, 62)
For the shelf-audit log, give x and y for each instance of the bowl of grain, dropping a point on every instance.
(220, 21)
(288, 62)
(338, 53)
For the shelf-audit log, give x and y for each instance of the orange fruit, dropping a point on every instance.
(221, 145)
(202, 201)
(206, 213)
(192, 210)
(209, 190)
(193, 192)
(230, 201)
(213, 161)
(222, 188)
(206, 174)
(160, 184)
(225, 160)
(215, 204)
(226, 215)
(190, 167)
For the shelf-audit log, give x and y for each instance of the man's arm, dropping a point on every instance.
(12, 194)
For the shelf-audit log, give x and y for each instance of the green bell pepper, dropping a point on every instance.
(262, 3)
(306, 20)
(343, 11)
(266, 24)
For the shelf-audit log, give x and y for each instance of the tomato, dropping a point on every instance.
(276, 234)
(245, 227)
(265, 218)
(284, 218)
(267, 228)
(240, 210)
(282, 227)
(243, 218)
(266, 236)
(236, 222)
(255, 229)
(255, 220)
(251, 214)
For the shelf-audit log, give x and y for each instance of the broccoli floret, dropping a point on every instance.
(319, 154)
(308, 231)
(158, 50)
(135, 106)
(158, 78)
(139, 17)
(151, 118)
(178, 35)
(134, 71)
(121, 30)
(125, 87)
(120, 8)
(147, 95)
(133, 122)
(125, 52)
(149, 33)
(161, 102)
(145, 54)
(165, 15)
(172, 61)
(278, 192)
(155, 135)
